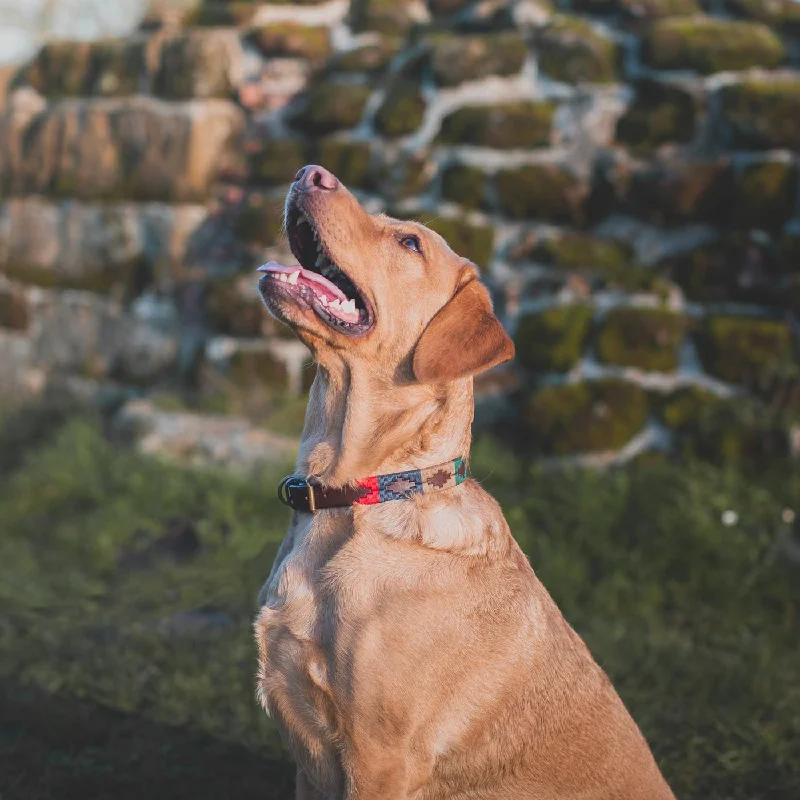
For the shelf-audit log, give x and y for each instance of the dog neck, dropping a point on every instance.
(360, 423)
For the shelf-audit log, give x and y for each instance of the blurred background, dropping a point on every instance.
(624, 173)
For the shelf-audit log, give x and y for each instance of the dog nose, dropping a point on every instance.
(315, 177)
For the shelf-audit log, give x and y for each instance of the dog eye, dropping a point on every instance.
(412, 243)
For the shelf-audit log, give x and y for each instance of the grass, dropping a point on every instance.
(128, 588)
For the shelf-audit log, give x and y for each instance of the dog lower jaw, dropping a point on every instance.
(310, 291)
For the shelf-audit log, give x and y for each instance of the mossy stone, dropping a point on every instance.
(678, 192)
(373, 57)
(292, 40)
(542, 191)
(612, 262)
(278, 162)
(789, 251)
(790, 295)
(248, 368)
(196, 64)
(402, 110)
(739, 433)
(350, 162)
(446, 7)
(455, 59)
(326, 107)
(660, 113)
(708, 45)
(393, 17)
(464, 185)
(231, 312)
(639, 9)
(114, 67)
(473, 241)
(260, 220)
(14, 310)
(216, 13)
(781, 14)
(126, 279)
(405, 176)
(741, 266)
(744, 350)
(683, 407)
(588, 417)
(763, 114)
(647, 338)
(552, 340)
(571, 51)
(506, 126)
(766, 195)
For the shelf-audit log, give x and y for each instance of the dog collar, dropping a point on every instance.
(298, 493)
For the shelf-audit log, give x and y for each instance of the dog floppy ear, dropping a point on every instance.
(464, 338)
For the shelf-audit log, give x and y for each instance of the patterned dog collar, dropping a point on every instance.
(295, 491)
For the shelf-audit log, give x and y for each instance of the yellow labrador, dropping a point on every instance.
(406, 647)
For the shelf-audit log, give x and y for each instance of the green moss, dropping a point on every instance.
(577, 251)
(349, 161)
(248, 368)
(640, 9)
(678, 192)
(475, 242)
(456, 59)
(372, 58)
(781, 14)
(766, 195)
(405, 176)
(505, 126)
(127, 276)
(392, 17)
(744, 350)
(14, 311)
(464, 185)
(683, 408)
(738, 433)
(278, 161)
(402, 110)
(763, 114)
(659, 114)
(552, 340)
(215, 13)
(260, 220)
(708, 45)
(587, 417)
(232, 312)
(111, 67)
(292, 40)
(647, 338)
(327, 107)
(543, 191)
(571, 51)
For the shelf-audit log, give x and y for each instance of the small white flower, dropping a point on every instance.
(788, 516)
(729, 517)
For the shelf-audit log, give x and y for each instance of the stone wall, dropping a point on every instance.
(624, 173)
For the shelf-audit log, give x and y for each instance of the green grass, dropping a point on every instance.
(128, 589)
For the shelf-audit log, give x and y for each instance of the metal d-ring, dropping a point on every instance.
(290, 482)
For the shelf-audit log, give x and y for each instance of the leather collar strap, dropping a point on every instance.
(296, 492)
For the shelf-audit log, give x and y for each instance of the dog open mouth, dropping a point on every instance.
(317, 282)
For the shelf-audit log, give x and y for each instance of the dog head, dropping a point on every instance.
(378, 288)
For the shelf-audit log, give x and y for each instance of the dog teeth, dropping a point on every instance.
(349, 306)
(323, 300)
(293, 278)
(301, 220)
(282, 277)
(335, 304)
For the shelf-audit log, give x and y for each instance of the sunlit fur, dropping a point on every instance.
(407, 650)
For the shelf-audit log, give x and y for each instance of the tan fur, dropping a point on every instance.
(407, 649)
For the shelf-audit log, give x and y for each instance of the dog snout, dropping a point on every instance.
(313, 177)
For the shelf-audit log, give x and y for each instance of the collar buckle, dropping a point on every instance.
(297, 493)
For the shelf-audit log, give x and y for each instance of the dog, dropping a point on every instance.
(406, 647)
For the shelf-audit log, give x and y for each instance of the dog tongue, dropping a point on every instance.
(319, 283)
